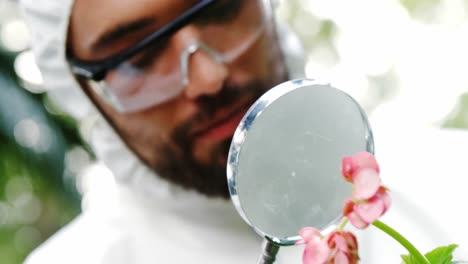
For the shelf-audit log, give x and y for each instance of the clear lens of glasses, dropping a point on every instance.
(225, 30)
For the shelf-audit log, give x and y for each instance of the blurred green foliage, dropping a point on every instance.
(458, 118)
(421, 9)
(35, 201)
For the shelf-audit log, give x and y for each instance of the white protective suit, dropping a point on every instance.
(144, 219)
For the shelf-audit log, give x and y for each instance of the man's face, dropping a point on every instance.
(185, 139)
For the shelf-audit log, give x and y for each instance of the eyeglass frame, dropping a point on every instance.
(97, 70)
(100, 87)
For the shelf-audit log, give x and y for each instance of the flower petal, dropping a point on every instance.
(383, 193)
(341, 258)
(348, 207)
(361, 160)
(365, 160)
(343, 247)
(356, 220)
(316, 252)
(299, 242)
(371, 210)
(350, 240)
(308, 234)
(347, 168)
(340, 243)
(366, 184)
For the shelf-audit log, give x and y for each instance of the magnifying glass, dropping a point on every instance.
(284, 161)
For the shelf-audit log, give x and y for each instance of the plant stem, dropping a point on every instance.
(402, 240)
(342, 224)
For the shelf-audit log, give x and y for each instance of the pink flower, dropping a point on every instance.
(344, 248)
(340, 247)
(361, 160)
(316, 249)
(370, 199)
(361, 213)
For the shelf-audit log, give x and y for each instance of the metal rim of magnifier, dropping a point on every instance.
(240, 135)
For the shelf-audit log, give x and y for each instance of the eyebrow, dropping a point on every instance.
(120, 32)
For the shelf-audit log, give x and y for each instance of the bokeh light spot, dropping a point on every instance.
(17, 186)
(28, 72)
(28, 208)
(27, 133)
(27, 238)
(14, 35)
(30, 134)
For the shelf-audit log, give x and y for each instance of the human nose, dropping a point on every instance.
(203, 70)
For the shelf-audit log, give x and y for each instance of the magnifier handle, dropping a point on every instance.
(269, 251)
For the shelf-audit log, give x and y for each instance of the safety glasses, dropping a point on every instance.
(156, 69)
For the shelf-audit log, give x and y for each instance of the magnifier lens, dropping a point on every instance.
(285, 158)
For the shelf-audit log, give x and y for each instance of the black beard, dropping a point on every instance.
(178, 164)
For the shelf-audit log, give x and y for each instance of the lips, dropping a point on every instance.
(223, 124)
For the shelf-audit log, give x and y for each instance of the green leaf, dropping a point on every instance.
(409, 259)
(441, 255)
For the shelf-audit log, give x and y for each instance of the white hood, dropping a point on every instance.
(48, 21)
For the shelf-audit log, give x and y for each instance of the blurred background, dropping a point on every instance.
(403, 60)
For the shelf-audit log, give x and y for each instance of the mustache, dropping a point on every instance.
(209, 105)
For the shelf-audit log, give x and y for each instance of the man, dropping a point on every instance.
(171, 80)
(176, 101)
